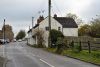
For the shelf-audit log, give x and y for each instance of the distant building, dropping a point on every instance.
(66, 25)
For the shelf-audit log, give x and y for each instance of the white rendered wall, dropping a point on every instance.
(70, 31)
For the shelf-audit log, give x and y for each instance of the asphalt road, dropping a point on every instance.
(21, 55)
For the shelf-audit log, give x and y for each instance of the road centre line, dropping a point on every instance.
(47, 63)
(43, 60)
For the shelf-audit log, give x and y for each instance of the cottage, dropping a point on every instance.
(64, 24)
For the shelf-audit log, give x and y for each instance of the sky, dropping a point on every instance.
(19, 13)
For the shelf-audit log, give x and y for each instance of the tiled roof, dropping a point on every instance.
(36, 25)
(33, 28)
(29, 31)
(66, 22)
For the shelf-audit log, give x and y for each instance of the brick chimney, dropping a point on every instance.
(41, 18)
(55, 15)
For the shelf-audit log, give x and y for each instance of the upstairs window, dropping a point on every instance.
(59, 28)
(46, 28)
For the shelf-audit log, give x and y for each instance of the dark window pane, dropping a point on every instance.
(59, 28)
(47, 28)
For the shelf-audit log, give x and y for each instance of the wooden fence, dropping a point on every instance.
(88, 45)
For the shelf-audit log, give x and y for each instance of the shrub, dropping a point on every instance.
(54, 34)
(39, 34)
(59, 45)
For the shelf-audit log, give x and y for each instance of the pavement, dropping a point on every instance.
(21, 55)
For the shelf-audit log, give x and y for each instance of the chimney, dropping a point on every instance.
(55, 15)
(41, 18)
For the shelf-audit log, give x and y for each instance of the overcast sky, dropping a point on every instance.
(18, 13)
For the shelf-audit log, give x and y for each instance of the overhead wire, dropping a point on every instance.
(41, 10)
(56, 6)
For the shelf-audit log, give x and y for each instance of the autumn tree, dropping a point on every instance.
(92, 29)
(8, 32)
(84, 30)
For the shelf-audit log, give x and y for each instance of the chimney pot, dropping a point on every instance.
(55, 15)
(40, 19)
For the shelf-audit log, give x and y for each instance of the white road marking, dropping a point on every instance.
(47, 63)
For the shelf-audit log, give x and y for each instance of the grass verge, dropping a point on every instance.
(93, 57)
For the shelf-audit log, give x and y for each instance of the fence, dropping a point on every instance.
(85, 42)
(87, 45)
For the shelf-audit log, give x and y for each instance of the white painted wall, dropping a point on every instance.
(28, 37)
(70, 31)
(54, 25)
(31, 41)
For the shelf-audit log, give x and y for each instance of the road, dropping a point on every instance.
(21, 55)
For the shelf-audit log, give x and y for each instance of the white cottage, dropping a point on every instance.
(66, 25)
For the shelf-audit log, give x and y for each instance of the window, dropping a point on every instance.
(46, 28)
(59, 28)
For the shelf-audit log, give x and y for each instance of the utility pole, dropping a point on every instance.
(49, 20)
(4, 32)
(32, 21)
(29, 28)
(4, 49)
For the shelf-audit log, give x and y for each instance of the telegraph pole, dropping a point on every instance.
(4, 32)
(49, 20)
(29, 28)
(4, 49)
(32, 21)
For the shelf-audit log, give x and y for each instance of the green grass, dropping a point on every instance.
(93, 57)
